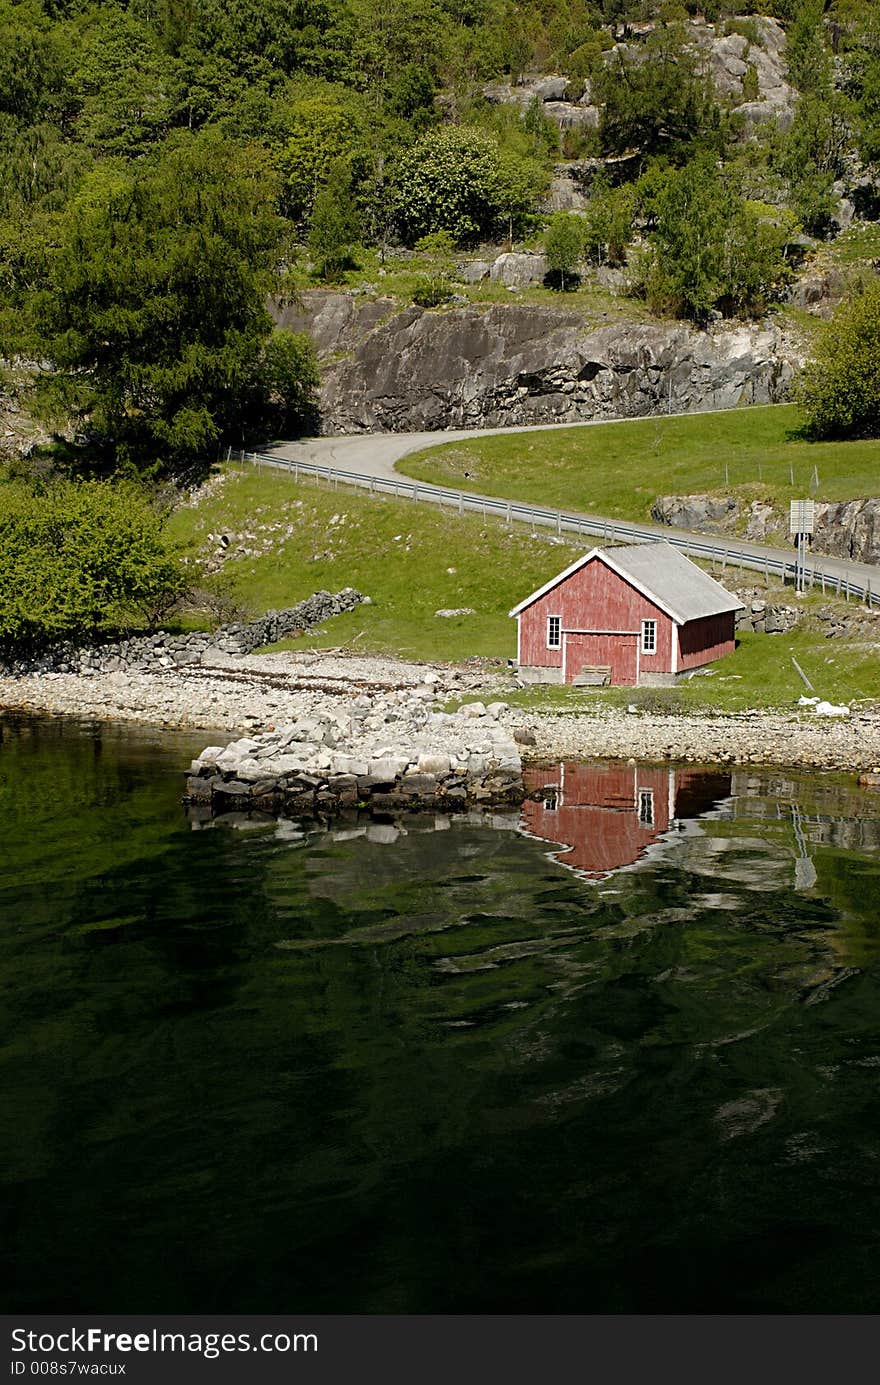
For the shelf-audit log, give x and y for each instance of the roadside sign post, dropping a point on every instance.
(801, 526)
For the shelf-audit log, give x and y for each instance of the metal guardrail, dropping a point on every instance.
(561, 521)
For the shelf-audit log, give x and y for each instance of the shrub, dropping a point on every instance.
(76, 558)
(840, 388)
(430, 290)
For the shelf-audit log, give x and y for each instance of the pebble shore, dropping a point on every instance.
(257, 693)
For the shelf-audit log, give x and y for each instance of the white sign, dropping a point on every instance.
(803, 517)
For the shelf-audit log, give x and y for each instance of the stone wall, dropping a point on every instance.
(768, 615)
(155, 653)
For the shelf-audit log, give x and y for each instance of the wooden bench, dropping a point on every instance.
(593, 676)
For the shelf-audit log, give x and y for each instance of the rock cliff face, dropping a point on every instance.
(844, 529)
(849, 529)
(399, 369)
(749, 74)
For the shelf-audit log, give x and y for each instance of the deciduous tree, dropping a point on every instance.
(840, 389)
(455, 179)
(564, 247)
(78, 557)
(333, 228)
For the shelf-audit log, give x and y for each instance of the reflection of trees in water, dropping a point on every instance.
(470, 1080)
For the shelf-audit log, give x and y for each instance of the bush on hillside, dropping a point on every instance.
(80, 557)
(840, 388)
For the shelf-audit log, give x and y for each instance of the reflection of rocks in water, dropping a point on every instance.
(752, 862)
(748, 1113)
(804, 1147)
(596, 1084)
(607, 817)
(828, 812)
(504, 931)
(716, 899)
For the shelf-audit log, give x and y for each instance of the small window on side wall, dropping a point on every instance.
(649, 637)
(554, 632)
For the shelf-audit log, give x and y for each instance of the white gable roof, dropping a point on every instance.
(661, 573)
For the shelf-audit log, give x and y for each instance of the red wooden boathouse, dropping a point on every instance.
(640, 613)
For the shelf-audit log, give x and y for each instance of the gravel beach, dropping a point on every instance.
(242, 695)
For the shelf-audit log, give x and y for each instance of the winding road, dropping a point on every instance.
(365, 458)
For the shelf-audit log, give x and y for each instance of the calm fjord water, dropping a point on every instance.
(248, 1070)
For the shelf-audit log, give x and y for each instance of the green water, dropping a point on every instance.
(245, 1068)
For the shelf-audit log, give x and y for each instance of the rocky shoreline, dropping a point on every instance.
(371, 705)
(394, 751)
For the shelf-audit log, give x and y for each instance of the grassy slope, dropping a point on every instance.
(394, 552)
(619, 469)
(397, 278)
(400, 555)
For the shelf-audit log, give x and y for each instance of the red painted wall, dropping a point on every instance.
(593, 598)
(617, 652)
(701, 641)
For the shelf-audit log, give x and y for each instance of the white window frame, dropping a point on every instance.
(558, 642)
(645, 807)
(649, 625)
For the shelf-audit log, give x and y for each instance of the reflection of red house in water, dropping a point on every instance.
(606, 817)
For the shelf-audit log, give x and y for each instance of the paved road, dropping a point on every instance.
(376, 454)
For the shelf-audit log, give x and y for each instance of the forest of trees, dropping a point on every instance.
(168, 165)
(165, 164)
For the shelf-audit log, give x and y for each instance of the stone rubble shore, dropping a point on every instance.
(371, 709)
(383, 752)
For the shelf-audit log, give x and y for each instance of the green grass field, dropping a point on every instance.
(411, 560)
(618, 469)
(414, 560)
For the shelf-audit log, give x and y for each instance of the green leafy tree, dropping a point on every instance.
(455, 179)
(655, 98)
(333, 229)
(150, 304)
(812, 155)
(564, 248)
(712, 251)
(30, 60)
(123, 89)
(324, 133)
(279, 395)
(78, 557)
(863, 76)
(391, 36)
(519, 182)
(808, 62)
(840, 389)
(411, 96)
(692, 209)
(609, 222)
(754, 269)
